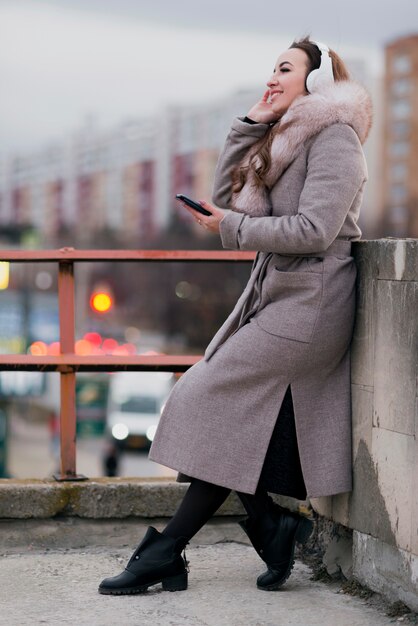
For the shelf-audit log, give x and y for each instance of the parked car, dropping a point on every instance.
(135, 403)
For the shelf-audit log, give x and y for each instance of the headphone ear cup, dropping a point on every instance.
(317, 79)
(312, 80)
(323, 75)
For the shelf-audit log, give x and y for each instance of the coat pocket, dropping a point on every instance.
(294, 300)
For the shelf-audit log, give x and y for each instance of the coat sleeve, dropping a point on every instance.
(336, 172)
(240, 138)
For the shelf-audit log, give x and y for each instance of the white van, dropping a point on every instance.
(135, 402)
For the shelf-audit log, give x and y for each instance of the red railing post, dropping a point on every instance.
(68, 416)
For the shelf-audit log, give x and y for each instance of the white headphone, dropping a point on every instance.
(319, 78)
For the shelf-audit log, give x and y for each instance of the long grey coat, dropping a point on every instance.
(292, 324)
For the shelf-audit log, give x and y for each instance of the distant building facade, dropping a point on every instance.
(125, 180)
(400, 138)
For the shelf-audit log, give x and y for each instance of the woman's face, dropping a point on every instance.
(288, 79)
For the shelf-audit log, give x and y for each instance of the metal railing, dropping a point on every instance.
(67, 363)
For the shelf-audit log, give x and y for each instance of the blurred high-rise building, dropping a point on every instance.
(370, 218)
(400, 138)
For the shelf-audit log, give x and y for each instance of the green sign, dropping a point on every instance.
(91, 400)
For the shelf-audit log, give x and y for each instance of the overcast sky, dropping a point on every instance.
(117, 59)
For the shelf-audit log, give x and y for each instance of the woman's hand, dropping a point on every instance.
(209, 222)
(262, 111)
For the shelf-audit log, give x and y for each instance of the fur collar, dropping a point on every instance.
(346, 102)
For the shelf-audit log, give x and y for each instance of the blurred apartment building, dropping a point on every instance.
(370, 219)
(124, 180)
(400, 139)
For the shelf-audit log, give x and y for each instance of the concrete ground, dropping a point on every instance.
(60, 587)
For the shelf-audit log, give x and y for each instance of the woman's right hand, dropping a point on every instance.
(262, 112)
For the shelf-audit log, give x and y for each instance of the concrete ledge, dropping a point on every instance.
(100, 498)
(103, 512)
(390, 258)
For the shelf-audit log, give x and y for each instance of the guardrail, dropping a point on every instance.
(67, 363)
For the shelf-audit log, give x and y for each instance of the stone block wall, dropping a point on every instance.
(382, 509)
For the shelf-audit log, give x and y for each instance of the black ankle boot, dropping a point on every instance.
(157, 559)
(274, 536)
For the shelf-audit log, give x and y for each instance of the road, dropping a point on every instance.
(30, 455)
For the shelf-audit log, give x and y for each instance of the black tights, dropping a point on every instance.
(200, 503)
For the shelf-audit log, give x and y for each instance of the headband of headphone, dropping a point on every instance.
(323, 75)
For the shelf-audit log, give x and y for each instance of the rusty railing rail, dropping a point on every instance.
(67, 363)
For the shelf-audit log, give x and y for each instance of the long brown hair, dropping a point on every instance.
(262, 149)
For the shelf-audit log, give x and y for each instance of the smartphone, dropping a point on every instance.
(195, 205)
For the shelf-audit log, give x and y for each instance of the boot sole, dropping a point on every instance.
(275, 586)
(303, 532)
(173, 583)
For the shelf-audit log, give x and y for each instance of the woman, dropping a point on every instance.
(268, 408)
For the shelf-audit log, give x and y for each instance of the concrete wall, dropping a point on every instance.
(382, 509)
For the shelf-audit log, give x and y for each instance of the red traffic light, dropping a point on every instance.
(101, 302)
